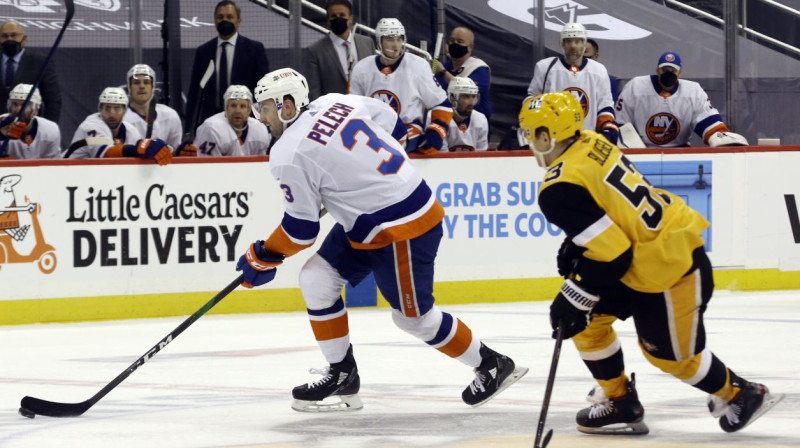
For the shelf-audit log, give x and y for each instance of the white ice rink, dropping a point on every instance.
(227, 380)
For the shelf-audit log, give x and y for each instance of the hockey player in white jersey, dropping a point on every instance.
(584, 78)
(665, 110)
(31, 136)
(469, 130)
(233, 132)
(341, 153)
(167, 124)
(404, 81)
(104, 134)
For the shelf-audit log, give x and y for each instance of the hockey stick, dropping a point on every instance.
(70, 5)
(189, 136)
(151, 115)
(548, 391)
(88, 141)
(30, 406)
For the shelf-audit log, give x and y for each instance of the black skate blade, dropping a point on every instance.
(518, 373)
(770, 400)
(638, 428)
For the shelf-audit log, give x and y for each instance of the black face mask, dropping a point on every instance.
(457, 51)
(11, 48)
(339, 25)
(668, 79)
(226, 28)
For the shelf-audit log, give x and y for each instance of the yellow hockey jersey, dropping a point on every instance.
(604, 204)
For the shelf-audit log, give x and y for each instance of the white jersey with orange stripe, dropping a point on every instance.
(343, 154)
(216, 137)
(167, 126)
(471, 134)
(589, 83)
(667, 118)
(94, 126)
(407, 86)
(43, 141)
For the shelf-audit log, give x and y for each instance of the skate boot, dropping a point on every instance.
(623, 415)
(495, 373)
(752, 401)
(340, 381)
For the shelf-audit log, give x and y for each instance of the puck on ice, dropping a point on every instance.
(26, 413)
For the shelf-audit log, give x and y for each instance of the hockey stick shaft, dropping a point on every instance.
(54, 409)
(189, 136)
(70, 6)
(548, 391)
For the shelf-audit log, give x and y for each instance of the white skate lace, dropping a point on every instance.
(326, 375)
(732, 413)
(602, 409)
(477, 383)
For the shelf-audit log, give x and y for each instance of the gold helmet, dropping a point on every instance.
(558, 112)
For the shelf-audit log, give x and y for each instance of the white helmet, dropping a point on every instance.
(113, 95)
(276, 85)
(237, 92)
(21, 91)
(573, 29)
(389, 27)
(461, 84)
(141, 69)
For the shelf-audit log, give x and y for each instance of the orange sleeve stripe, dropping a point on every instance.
(460, 342)
(280, 243)
(718, 128)
(325, 330)
(602, 120)
(405, 231)
(408, 299)
(443, 116)
(113, 151)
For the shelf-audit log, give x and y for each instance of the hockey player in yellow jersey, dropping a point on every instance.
(630, 250)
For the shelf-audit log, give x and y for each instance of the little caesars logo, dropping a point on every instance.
(21, 238)
(51, 6)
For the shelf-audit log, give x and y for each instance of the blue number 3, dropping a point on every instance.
(387, 166)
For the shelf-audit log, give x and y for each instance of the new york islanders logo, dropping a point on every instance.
(662, 128)
(388, 98)
(582, 98)
(21, 238)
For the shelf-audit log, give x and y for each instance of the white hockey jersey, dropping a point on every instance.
(589, 83)
(94, 126)
(216, 137)
(667, 118)
(407, 86)
(341, 154)
(167, 126)
(471, 135)
(43, 141)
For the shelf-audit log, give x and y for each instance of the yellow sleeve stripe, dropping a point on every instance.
(599, 226)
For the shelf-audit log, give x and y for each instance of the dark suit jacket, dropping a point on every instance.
(322, 68)
(249, 65)
(30, 66)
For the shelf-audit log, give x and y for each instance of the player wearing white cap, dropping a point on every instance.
(584, 78)
(233, 132)
(167, 124)
(31, 137)
(341, 152)
(664, 110)
(103, 134)
(404, 82)
(469, 129)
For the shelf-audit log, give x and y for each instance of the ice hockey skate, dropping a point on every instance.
(494, 375)
(623, 415)
(752, 401)
(337, 391)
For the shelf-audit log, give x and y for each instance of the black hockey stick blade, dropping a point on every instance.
(30, 406)
(548, 391)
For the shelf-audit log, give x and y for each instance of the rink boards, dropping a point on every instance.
(101, 239)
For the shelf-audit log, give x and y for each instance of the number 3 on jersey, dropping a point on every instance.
(632, 185)
(387, 166)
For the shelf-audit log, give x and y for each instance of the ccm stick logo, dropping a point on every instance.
(155, 350)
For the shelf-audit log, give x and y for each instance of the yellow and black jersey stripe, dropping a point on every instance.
(604, 204)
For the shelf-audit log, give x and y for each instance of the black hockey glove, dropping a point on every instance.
(572, 308)
(569, 257)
